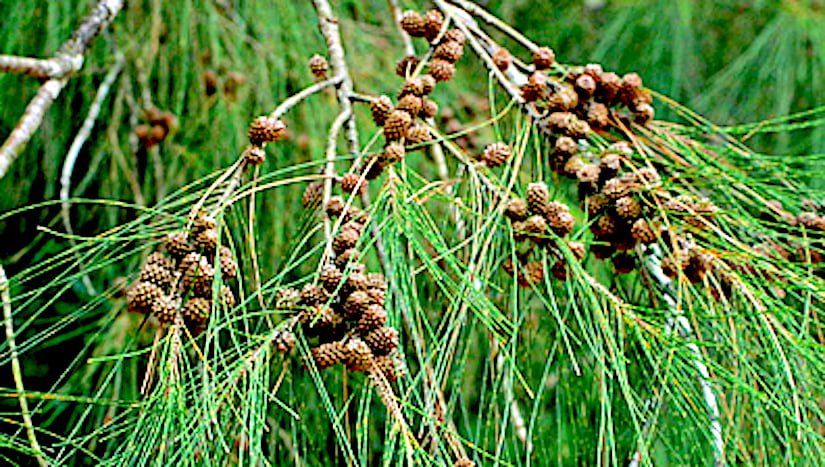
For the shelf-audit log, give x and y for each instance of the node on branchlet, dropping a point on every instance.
(319, 67)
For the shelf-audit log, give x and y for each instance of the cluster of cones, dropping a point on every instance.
(532, 221)
(343, 312)
(179, 278)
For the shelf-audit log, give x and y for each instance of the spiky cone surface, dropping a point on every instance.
(604, 226)
(411, 104)
(433, 21)
(357, 355)
(203, 281)
(496, 154)
(429, 108)
(372, 318)
(561, 223)
(627, 207)
(596, 203)
(502, 58)
(335, 206)
(642, 232)
(345, 240)
(643, 113)
(265, 129)
(535, 88)
(353, 183)
(519, 230)
(344, 259)
(313, 194)
(623, 263)
(567, 123)
(427, 83)
(356, 303)
(393, 152)
(610, 163)
(229, 267)
(177, 244)
(450, 51)
(413, 23)
(598, 115)
(312, 295)
(563, 99)
(157, 274)
(142, 295)
(407, 65)
(330, 277)
(159, 259)
(328, 354)
(377, 296)
(320, 320)
(206, 240)
(254, 155)
(412, 86)
(319, 67)
(616, 188)
(204, 222)
(609, 86)
(585, 85)
(572, 166)
(397, 124)
(536, 226)
(537, 197)
(565, 146)
(543, 58)
(389, 366)
(441, 69)
(631, 88)
(531, 274)
(376, 280)
(698, 265)
(554, 208)
(380, 107)
(382, 340)
(356, 281)
(455, 35)
(196, 310)
(165, 308)
(192, 268)
(516, 209)
(283, 341)
(418, 134)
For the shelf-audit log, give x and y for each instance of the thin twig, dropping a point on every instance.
(56, 67)
(475, 9)
(74, 151)
(299, 96)
(409, 49)
(329, 172)
(68, 60)
(15, 369)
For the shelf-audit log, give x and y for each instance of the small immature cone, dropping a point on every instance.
(345, 240)
(544, 58)
(397, 125)
(319, 67)
(142, 295)
(537, 197)
(516, 209)
(455, 35)
(266, 129)
(254, 155)
(441, 69)
(409, 103)
(313, 195)
(433, 21)
(450, 51)
(380, 107)
(407, 65)
(413, 24)
(393, 152)
(495, 154)
(628, 207)
(352, 183)
(502, 58)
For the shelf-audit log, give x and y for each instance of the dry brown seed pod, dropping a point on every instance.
(441, 70)
(254, 155)
(393, 152)
(537, 197)
(357, 355)
(380, 107)
(352, 183)
(313, 194)
(397, 125)
(610, 164)
(407, 65)
(413, 23)
(356, 303)
(631, 88)
(266, 129)
(589, 174)
(429, 108)
(382, 340)
(283, 341)
(142, 295)
(346, 258)
(427, 83)
(229, 267)
(596, 203)
(345, 240)
(410, 104)
(516, 209)
(536, 225)
(563, 99)
(455, 35)
(615, 188)
(565, 146)
(412, 86)
(330, 277)
(535, 88)
(543, 58)
(595, 70)
(193, 267)
(376, 280)
(204, 222)
(433, 21)
(206, 240)
(165, 308)
(609, 87)
(642, 232)
(177, 244)
(585, 85)
(628, 207)
(197, 310)
(227, 297)
(319, 67)
(560, 270)
(604, 226)
(157, 274)
(335, 206)
(572, 166)
(377, 296)
(391, 366)
(496, 154)
(602, 250)
(532, 274)
(598, 115)
(204, 280)
(287, 298)
(502, 58)
(450, 51)
(643, 113)
(159, 259)
(356, 281)
(312, 295)
(562, 223)
(418, 134)
(328, 354)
